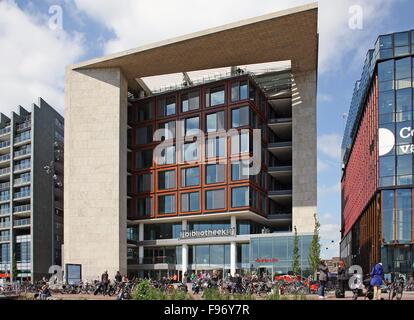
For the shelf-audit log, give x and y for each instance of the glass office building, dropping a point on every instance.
(377, 182)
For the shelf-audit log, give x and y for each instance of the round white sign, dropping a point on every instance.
(386, 141)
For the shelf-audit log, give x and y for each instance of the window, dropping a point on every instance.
(240, 117)
(386, 70)
(240, 143)
(388, 216)
(166, 106)
(403, 73)
(144, 135)
(144, 182)
(215, 121)
(166, 179)
(401, 43)
(404, 170)
(144, 207)
(191, 125)
(239, 170)
(190, 152)
(166, 204)
(143, 159)
(386, 102)
(404, 100)
(403, 216)
(190, 202)
(387, 171)
(239, 197)
(145, 111)
(215, 199)
(215, 147)
(167, 156)
(190, 101)
(403, 140)
(190, 177)
(170, 127)
(215, 173)
(215, 96)
(239, 91)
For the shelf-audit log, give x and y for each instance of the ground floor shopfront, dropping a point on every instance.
(229, 247)
(383, 233)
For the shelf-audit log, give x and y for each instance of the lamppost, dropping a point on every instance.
(50, 170)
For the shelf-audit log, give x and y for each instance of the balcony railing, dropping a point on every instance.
(4, 198)
(22, 166)
(23, 208)
(4, 225)
(4, 185)
(4, 171)
(22, 152)
(24, 125)
(5, 130)
(5, 157)
(22, 222)
(22, 137)
(4, 211)
(4, 238)
(22, 194)
(21, 180)
(4, 144)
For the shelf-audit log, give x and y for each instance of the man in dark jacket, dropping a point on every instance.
(105, 282)
(342, 277)
(323, 278)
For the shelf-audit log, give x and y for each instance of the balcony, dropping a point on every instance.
(282, 197)
(5, 225)
(22, 209)
(4, 211)
(22, 167)
(4, 144)
(5, 130)
(4, 186)
(281, 150)
(280, 171)
(21, 195)
(282, 127)
(21, 181)
(22, 138)
(4, 171)
(23, 126)
(4, 238)
(4, 198)
(22, 153)
(4, 157)
(22, 223)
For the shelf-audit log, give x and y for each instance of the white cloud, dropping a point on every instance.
(33, 58)
(330, 145)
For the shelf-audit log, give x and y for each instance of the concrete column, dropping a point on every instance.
(95, 194)
(141, 248)
(304, 137)
(233, 258)
(184, 225)
(184, 258)
(233, 223)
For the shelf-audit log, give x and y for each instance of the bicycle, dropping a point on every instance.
(396, 288)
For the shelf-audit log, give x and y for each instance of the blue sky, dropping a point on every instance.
(36, 56)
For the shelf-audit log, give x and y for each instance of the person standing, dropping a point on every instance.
(105, 282)
(342, 277)
(323, 278)
(376, 280)
(118, 277)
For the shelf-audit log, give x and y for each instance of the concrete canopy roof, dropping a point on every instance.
(285, 35)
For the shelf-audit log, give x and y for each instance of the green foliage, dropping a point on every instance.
(214, 294)
(315, 249)
(274, 295)
(295, 255)
(14, 268)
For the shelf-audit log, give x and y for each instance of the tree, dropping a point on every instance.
(315, 249)
(295, 256)
(14, 268)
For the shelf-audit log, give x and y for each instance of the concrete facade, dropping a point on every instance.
(95, 167)
(304, 89)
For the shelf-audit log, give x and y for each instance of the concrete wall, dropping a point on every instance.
(95, 171)
(304, 150)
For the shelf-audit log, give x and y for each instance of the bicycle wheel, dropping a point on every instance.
(391, 294)
(399, 293)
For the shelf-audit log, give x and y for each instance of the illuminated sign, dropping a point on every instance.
(193, 234)
(272, 260)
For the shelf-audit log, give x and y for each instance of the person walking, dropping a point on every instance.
(118, 277)
(342, 277)
(376, 280)
(323, 278)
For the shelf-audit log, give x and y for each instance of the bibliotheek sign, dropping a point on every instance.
(386, 141)
(207, 233)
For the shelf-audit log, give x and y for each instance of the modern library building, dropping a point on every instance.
(196, 153)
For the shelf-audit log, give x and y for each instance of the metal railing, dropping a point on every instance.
(22, 152)
(23, 137)
(23, 125)
(21, 180)
(22, 208)
(4, 171)
(5, 225)
(22, 222)
(4, 238)
(22, 194)
(4, 157)
(4, 144)
(22, 166)
(4, 211)
(4, 198)
(5, 130)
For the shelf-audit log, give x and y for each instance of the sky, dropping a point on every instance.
(36, 46)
